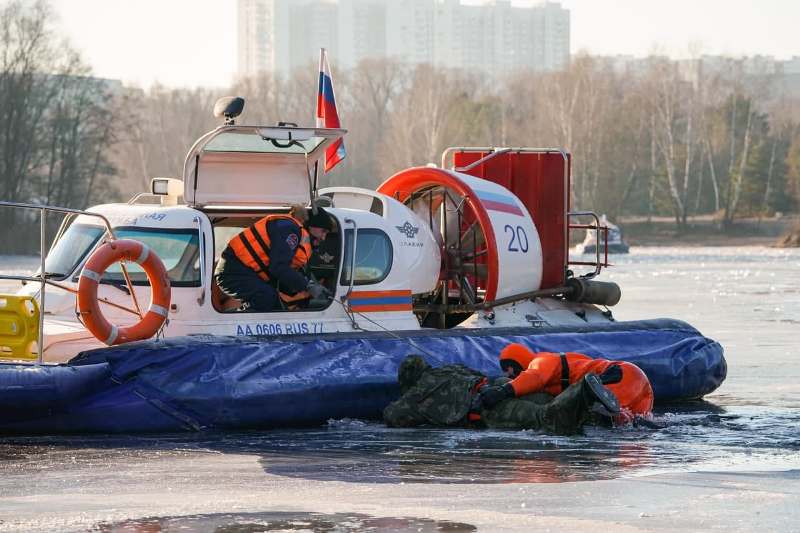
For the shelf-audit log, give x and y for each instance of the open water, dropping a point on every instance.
(746, 298)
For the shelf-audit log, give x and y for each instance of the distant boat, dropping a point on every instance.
(616, 245)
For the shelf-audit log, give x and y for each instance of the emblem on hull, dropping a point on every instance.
(408, 230)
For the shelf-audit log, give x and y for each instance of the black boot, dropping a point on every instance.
(600, 400)
(569, 411)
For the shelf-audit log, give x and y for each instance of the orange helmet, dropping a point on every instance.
(634, 391)
(643, 403)
(517, 357)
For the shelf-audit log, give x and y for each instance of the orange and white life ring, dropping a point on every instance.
(160, 294)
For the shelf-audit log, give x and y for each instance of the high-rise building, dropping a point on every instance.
(464, 35)
(362, 30)
(254, 36)
(499, 38)
(281, 35)
(496, 37)
(409, 30)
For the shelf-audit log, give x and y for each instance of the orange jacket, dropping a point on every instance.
(543, 372)
(252, 246)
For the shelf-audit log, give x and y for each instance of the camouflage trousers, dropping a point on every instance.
(563, 415)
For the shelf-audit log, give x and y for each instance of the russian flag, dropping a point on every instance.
(327, 116)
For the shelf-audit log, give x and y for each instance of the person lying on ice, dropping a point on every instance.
(449, 396)
(554, 373)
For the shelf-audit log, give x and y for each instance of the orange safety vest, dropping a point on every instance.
(251, 246)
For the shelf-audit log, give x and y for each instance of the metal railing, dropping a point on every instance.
(352, 259)
(491, 152)
(598, 229)
(42, 276)
(139, 196)
(348, 305)
(202, 244)
(482, 160)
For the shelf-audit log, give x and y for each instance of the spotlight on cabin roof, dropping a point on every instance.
(229, 107)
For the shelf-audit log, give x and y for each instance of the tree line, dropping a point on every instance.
(647, 141)
(56, 124)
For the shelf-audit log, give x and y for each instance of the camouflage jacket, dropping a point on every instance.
(441, 397)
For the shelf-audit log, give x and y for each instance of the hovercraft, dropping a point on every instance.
(451, 262)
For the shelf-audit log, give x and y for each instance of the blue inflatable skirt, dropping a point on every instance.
(220, 383)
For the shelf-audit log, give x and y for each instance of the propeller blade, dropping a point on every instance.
(472, 238)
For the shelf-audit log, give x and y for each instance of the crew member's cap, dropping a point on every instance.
(319, 220)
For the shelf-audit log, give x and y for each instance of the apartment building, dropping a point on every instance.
(495, 37)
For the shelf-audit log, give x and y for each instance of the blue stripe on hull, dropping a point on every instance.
(381, 301)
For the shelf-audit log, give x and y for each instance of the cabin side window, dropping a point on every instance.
(373, 257)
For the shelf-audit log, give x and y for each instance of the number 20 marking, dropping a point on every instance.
(519, 236)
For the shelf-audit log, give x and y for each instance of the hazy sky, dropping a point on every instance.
(193, 42)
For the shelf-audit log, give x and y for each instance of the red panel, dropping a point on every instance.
(538, 179)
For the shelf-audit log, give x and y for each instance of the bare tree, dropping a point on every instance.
(434, 112)
(672, 130)
(56, 127)
(367, 100)
(159, 127)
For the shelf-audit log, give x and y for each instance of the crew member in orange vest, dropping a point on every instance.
(269, 255)
(553, 372)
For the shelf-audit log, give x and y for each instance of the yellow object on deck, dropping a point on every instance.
(19, 327)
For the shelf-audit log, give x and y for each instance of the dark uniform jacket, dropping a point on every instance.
(284, 238)
(442, 397)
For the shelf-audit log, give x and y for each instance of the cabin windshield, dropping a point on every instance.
(71, 249)
(178, 249)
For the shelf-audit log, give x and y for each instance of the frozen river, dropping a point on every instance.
(732, 461)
